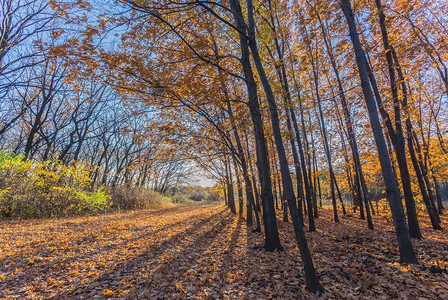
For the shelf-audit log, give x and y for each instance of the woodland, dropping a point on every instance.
(318, 128)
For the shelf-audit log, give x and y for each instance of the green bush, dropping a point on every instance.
(93, 201)
(46, 189)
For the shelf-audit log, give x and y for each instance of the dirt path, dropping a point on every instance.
(204, 252)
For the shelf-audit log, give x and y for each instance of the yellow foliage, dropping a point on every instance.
(47, 188)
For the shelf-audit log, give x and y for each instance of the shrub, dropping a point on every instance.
(180, 198)
(132, 197)
(93, 201)
(384, 209)
(198, 195)
(46, 189)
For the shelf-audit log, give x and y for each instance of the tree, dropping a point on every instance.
(406, 249)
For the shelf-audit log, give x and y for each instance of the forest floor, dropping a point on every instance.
(204, 252)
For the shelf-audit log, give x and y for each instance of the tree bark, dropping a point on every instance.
(351, 133)
(398, 138)
(311, 277)
(407, 254)
(272, 240)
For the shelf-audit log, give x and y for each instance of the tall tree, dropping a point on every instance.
(406, 249)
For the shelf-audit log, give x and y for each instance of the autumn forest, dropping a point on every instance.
(194, 149)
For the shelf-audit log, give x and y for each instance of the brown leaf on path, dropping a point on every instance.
(205, 252)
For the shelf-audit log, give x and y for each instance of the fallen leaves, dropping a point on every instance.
(207, 253)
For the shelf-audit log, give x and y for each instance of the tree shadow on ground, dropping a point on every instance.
(79, 244)
(149, 269)
(205, 253)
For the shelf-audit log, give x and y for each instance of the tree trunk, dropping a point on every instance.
(311, 277)
(407, 254)
(412, 143)
(238, 186)
(272, 240)
(250, 205)
(398, 138)
(351, 133)
(229, 181)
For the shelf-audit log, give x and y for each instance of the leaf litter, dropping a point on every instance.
(205, 252)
